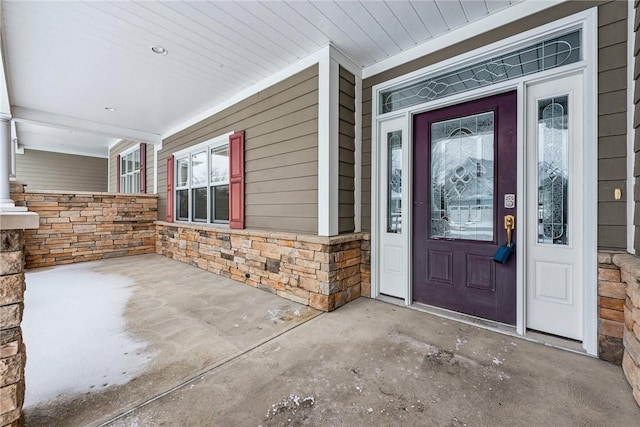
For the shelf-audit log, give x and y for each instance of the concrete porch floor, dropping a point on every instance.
(197, 349)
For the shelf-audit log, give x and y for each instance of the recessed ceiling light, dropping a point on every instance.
(110, 109)
(159, 50)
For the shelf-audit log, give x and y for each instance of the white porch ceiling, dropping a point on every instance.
(46, 138)
(67, 61)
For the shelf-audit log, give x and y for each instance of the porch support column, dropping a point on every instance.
(5, 162)
(13, 223)
(328, 148)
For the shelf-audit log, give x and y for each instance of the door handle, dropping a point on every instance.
(509, 225)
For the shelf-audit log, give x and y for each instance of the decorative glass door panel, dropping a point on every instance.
(394, 181)
(553, 170)
(462, 178)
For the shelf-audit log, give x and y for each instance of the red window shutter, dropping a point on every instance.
(118, 174)
(143, 167)
(236, 180)
(170, 194)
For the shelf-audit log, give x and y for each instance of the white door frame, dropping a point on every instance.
(587, 21)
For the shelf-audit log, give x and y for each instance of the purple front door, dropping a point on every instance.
(464, 181)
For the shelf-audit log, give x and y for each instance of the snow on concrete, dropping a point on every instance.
(75, 332)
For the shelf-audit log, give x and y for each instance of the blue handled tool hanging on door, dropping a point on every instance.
(504, 252)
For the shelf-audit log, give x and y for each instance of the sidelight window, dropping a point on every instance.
(394, 181)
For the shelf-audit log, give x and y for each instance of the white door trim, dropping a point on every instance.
(631, 229)
(587, 21)
(590, 158)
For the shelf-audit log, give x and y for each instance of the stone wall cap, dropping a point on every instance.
(88, 193)
(629, 263)
(19, 220)
(281, 235)
(606, 256)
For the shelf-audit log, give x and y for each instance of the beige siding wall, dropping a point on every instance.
(612, 124)
(611, 102)
(281, 153)
(45, 170)
(113, 165)
(347, 120)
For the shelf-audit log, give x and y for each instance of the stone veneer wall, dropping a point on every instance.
(611, 298)
(626, 290)
(630, 275)
(82, 226)
(365, 267)
(12, 350)
(322, 272)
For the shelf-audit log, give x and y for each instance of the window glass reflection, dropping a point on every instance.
(462, 178)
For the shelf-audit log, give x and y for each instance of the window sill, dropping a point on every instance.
(202, 224)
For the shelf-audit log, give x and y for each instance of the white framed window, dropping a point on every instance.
(202, 182)
(130, 171)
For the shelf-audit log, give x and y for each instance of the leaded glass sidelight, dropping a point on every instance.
(553, 170)
(394, 182)
(462, 163)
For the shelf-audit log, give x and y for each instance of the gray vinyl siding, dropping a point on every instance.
(281, 153)
(612, 124)
(611, 106)
(346, 167)
(113, 163)
(45, 170)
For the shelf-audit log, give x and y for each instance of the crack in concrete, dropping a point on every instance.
(209, 369)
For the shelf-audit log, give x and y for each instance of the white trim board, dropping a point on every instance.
(631, 229)
(109, 173)
(5, 102)
(328, 149)
(590, 42)
(156, 149)
(357, 207)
